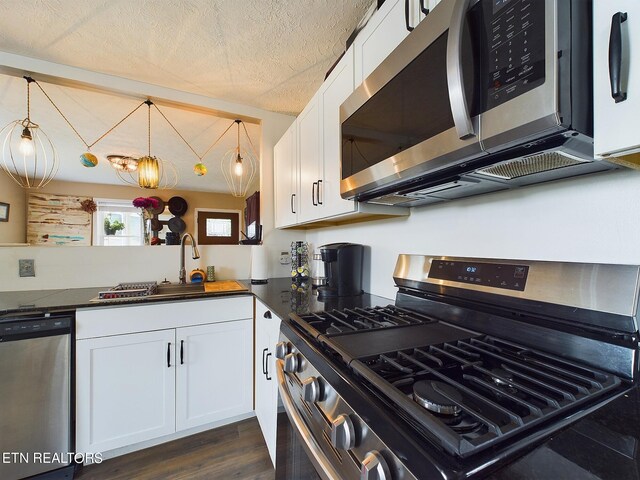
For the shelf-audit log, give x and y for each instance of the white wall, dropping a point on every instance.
(594, 218)
(77, 267)
(13, 231)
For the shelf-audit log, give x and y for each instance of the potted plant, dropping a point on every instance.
(112, 226)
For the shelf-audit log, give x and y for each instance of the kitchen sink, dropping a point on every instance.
(177, 289)
(142, 290)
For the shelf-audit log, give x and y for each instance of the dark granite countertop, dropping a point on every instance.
(278, 295)
(282, 298)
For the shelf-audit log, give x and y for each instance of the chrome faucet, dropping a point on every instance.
(182, 279)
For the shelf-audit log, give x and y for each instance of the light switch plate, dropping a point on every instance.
(27, 267)
(285, 258)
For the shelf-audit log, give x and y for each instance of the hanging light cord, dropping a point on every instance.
(179, 134)
(200, 157)
(149, 103)
(255, 154)
(146, 102)
(29, 80)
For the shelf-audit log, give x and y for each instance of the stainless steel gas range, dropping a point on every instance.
(477, 363)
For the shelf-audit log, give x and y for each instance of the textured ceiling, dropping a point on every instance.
(271, 54)
(93, 113)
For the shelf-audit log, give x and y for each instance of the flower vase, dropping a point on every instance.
(146, 226)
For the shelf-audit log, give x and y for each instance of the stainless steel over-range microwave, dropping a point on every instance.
(483, 95)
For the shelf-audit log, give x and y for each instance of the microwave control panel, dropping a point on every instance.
(498, 275)
(515, 33)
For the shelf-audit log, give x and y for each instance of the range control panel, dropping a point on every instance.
(515, 33)
(498, 275)
(10, 330)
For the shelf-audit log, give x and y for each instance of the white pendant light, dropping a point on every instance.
(28, 155)
(239, 165)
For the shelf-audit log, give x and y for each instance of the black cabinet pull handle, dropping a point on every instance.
(423, 7)
(266, 373)
(313, 193)
(267, 314)
(264, 369)
(318, 192)
(181, 352)
(615, 57)
(169, 355)
(293, 195)
(406, 15)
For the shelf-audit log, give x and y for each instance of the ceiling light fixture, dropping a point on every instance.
(239, 165)
(152, 173)
(123, 163)
(28, 155)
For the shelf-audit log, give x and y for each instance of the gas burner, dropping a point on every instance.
(461, 423)
(427, 393)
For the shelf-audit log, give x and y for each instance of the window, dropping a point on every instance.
(117, 223)
(220, 227)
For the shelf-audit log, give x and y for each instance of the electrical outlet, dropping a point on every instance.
(27, 267)
(285, 258)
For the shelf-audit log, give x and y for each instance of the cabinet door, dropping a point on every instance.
(267, 333)
(309, 160)
(384, 32)
(214, 372)
(125, 388)
(615, 123)
(333, 92)
(285, 158)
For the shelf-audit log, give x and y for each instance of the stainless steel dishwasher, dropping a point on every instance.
(35, 399)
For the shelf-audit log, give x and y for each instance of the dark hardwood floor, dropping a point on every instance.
(234, 451)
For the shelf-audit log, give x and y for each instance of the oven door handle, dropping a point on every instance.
(315, 453)
(455, 77)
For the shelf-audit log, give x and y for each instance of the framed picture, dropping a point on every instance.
(4, 212)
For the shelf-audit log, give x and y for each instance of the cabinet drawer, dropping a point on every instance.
(123, 319)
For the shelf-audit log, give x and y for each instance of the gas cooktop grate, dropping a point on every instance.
(496, 388)
(351, 320)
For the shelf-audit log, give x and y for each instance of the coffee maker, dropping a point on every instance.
(343, 269)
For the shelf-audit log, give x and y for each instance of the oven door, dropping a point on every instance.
(419, 111)
(298, 454)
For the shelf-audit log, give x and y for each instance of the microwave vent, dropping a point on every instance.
(531, 165)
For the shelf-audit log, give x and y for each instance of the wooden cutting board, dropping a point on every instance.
(224, 286)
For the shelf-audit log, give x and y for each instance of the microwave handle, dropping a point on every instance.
(455, 80)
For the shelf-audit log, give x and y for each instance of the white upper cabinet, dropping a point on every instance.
(285, 161)
(307, 183)
(616, 62)
(383, 33)
(309, 160)
(335, 90)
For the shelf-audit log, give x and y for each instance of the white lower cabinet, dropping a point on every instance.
(267, 333)
(213, 372)
(125, 390)
(137, 387)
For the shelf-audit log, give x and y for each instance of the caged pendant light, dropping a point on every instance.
(150, 172)
(239, 165)
(28, 155)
